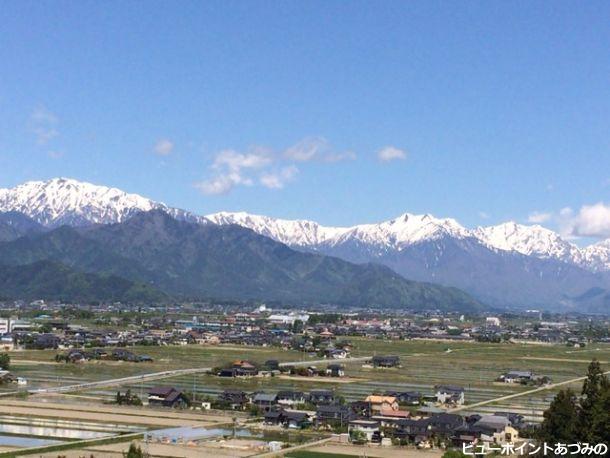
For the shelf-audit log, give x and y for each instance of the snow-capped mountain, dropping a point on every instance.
(409, 229)
(397, 233)
(596, 257)
(532, 240)
(66, 201)
(296, 233)
(507, 264)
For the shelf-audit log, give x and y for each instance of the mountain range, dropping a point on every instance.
(509, 264)
(183, 259)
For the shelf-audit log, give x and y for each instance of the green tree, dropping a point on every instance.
(297, 327)
(5, 361)
(593, 414)
(561, 419)
(134, 451)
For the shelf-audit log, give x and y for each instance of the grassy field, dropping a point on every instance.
(425, 363)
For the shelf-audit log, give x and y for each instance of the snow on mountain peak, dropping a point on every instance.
(290, 232)
(401, 231)
(407, 229)
(532, 240)
(67, 201)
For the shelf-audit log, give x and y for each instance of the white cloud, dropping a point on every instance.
(164, 147)
(222, 184)
(265, 167)
(277, 180)
(235, 161)
(231, 169)
(391, 153)
(307, 149)
(539, 217)
(483, 215)
(43, 124)
(589, 221)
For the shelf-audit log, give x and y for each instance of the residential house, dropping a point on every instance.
(449, 394)
(444, 424)
(291, 397)
(265, 400)
(335, 370)
(517, 377)
(295, 419)
(386, 361)
(334, 415)
(382, 403)
(319, 397)
(496, 429)
(366, 430)
(292, 419)
(167, 396)
(411, 398)
(236, 399)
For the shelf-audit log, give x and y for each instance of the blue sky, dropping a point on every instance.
(341, 112)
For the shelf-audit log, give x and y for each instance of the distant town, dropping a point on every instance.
(270, 380)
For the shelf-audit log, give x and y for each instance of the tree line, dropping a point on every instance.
(573, 418)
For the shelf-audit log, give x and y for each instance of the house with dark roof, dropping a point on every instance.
(236, 399)
(318, 397)
(335, 370)
(296, 419)
(167, 396)
(449, 394)
(411, 398)
(264, 400)
(291, 397)
(239, 368)
(292, 419)
(386, 361)
(334, 415)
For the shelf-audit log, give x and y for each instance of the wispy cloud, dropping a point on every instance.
(539, 217)
(164, 147)
(277, 180)
(316, 148)
(43, 125)
(232, 168)
(391, 153)
(265, 167)
(483, 215)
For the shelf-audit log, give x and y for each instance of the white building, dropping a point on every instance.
(5, 326)
(492, 321)
(288, 319)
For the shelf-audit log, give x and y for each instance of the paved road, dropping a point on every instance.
(516, 395)
(173, 373)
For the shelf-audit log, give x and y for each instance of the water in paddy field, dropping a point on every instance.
(17, 441)
(34, 432)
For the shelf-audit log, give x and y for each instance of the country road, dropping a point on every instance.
(517, 395)
(173, 373)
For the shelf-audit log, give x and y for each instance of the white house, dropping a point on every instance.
(366, 428)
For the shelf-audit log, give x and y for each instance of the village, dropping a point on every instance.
(362, 378)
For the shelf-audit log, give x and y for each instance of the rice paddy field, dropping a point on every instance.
(424, 363)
